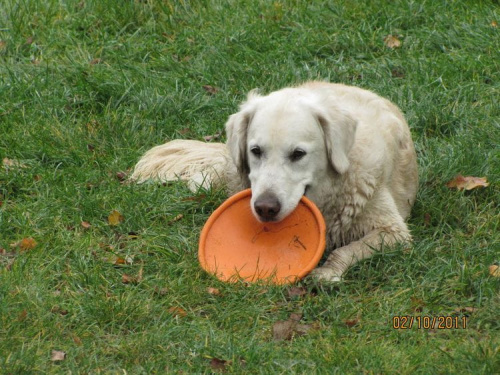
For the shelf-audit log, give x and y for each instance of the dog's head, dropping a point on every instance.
(285, 145)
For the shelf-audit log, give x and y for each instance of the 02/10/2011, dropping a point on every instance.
(429, 322)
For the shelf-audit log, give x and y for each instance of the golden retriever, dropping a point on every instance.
(347, 149)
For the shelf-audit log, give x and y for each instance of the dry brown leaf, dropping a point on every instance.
(468, 310)
(121, 176)
(161, 291)
(427, 219)
(25, 244)
(58, 310)
(10, 163)
(77, 340)
(177, 218)
(467, 183)
(119, 260)
(57, 355)
(213, 291)
(218, 364)
(177, 311)
(351, 322)
(392, 41)
(284, 330)
(210, 89)
(127, 279)
(296, 291)
(115, 218)
(494, 24)
(210, 138)
(288, 329)
(2, 44)
(85, 224)
(22, 316)
(494, 270)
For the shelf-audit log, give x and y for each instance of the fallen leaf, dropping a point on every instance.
(213, 291)
(427, 219)
(197, 198)
(218, 364)
(77, 340)
(469, 310)
(467, 183)
(121, 176)
(210, 89)
(184, 131)
(177, 218)
(115, 218)
(85, 224)
(392, 41)
(397, 73)
(119, 260)
(494, 24)
(127, 279)
(57, 310)
(3, 44)
(288, 329)
(161, 291)
(177, 311)
(57, 355)
(10, 163)
(494, 270)
(296, 291)
(25, 244)
(284, 330)
(351, 322)
(22, 316)
(214, 137)
(95, 61)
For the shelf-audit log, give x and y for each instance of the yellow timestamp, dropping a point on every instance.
(429, 322)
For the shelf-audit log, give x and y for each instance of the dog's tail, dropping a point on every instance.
(199, 163)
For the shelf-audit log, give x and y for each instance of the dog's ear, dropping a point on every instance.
(236, 131)
(339, 129)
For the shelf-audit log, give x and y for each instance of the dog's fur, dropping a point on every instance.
(347, 149)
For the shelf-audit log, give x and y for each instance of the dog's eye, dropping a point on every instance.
(256, 151)
(297, 154)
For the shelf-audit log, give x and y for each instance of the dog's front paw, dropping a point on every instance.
(325, 275)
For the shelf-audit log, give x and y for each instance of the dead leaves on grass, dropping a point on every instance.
(291, 328)
(494, 270)
(392, 41)
(57, 355)
(115, 218)
(24, 245)
(467, 183)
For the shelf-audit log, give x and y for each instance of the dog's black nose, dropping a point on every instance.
(267, 207)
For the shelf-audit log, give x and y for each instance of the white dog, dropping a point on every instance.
(347, 149)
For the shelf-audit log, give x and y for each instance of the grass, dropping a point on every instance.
(87, 86)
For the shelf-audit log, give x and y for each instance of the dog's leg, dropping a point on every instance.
(344, 257)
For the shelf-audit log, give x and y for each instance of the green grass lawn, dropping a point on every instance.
(87, 86)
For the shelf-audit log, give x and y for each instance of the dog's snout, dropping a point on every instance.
(267, 207)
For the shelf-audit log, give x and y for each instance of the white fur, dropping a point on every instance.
(359, 168)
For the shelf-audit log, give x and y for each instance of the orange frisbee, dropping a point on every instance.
(234, 245)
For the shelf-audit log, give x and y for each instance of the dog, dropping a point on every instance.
(347, 149)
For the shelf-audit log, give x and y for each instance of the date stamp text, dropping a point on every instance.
(429, 322)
